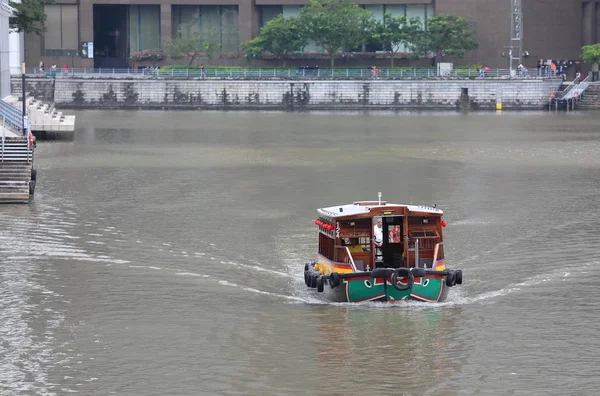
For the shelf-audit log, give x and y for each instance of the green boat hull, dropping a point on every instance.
(366, 288)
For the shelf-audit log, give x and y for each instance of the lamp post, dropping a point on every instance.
(23, 94)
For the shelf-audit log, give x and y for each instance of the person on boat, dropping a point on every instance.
(354, 246)
(378, 233)
(378, 238)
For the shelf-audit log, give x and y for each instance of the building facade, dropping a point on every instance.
(5, 13)
(105, 33)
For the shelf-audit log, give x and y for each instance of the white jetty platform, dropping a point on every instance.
(44, 117)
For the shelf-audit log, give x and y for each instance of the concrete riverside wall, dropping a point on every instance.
(138, 93)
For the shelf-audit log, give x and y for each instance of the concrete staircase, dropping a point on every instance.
(17, 177)
(44, 117)
(591, 98)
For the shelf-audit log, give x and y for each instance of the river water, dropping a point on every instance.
(163, 255)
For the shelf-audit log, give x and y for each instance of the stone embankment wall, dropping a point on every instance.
(137, 93)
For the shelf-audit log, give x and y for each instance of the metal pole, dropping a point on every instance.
(417, 252)
(3, 136)
(23, 94)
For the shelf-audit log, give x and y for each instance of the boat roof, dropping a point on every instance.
(366, 207)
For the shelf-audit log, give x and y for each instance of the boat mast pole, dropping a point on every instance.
(379, 196)
(417, 252)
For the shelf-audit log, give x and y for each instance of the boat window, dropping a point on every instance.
(363, 242)
(423, 234)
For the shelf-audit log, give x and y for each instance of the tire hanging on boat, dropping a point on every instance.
(320, 284)
(402, 273)
(451, 279)
(334, 280)
(459, 277)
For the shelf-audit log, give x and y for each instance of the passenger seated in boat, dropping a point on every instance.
(354, 246)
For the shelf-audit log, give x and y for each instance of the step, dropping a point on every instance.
(14, 190)
(15, 158)
(14, 184)
(24, 179)
(5, 170)
(19, 183)
(14, 172)
(15, 164)
(15, 153)
(584, 107)
(14, 198)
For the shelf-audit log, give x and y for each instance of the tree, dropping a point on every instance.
(334, 24)
(280, 36)
(192, 43)
(448, 35)
(591, 53)
(29, 16)
(395, 33)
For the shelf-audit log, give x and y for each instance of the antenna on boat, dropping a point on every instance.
(379, 196)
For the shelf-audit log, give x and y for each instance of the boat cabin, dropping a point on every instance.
(411, 236)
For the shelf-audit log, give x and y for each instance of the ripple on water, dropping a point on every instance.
(31, 242)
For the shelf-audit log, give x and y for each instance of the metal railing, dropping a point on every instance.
(14, 149)
(347, 257)
(439, 248)
(296, 73)
(578, 89)
(12, 116)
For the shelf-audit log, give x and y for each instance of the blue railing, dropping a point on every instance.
(298, 73)
(12, 116)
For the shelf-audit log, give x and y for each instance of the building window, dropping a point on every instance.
(269, 12)
(61, 37)
(218, 23)
(144, 27)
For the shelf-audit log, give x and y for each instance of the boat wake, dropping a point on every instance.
(555, 276)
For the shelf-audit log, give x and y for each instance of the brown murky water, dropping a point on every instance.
(163, 255)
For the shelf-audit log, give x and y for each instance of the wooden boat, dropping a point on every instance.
(352, 265)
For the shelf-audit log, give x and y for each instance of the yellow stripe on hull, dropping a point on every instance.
(326, 267)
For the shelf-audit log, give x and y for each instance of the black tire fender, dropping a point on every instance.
(402, 273)
(320, 284)
(34, 174)
(313, 280)
(334, 280)
(459, 277)
(451, 279)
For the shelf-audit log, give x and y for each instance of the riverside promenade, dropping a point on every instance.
(286, 91)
